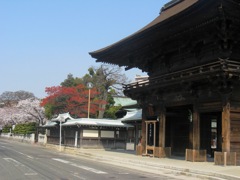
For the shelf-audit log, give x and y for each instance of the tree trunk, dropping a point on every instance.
(102, 106)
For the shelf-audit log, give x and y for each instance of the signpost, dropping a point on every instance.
(150, 137)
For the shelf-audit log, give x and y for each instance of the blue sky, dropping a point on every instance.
(42, 41)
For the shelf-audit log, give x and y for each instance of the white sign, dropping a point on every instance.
(107, 134)
(90, 133)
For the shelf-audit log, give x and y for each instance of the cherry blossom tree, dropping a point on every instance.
(27, 110)
(31, 109)
(9, 115)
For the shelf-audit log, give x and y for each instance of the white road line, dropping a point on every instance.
(80, 166)
(76, 175)
(89, 169)
(61, 160)
(30, 157)
(3, 143)
(16, 163)
(30, 174)
(25, 154)
(27, 171)
(123, 173)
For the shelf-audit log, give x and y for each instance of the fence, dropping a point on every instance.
(28, 138)
(42, 139)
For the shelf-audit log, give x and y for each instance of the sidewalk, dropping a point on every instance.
(204, 170)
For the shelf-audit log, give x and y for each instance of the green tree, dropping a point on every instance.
(110, 108)
(108, 79)
(71, 81)
(49, 110)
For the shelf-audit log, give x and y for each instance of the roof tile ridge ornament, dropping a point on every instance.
(62, 117)
(170, 4)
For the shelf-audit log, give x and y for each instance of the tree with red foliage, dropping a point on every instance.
(74, 100)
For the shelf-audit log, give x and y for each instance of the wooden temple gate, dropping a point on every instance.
(191, 53)
(194, 133)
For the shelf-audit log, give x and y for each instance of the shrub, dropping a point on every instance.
(27, 128)
(6, 128)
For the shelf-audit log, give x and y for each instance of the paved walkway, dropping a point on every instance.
(203, 170)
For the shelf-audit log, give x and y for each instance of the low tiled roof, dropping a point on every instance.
(85, 122)
(96, 122)
(124, 101)
(135, 115)
(49, 124)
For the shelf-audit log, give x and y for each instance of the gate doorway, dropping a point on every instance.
(210, 132)
(177, 129)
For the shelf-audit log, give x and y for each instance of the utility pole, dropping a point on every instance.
(89, 86)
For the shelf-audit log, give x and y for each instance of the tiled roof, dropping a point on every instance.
(85, 122)
(49, 124)
(164, 15)
(135, 115)
(95, 122)
(124, 101)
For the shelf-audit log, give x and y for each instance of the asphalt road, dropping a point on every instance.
(20, 161)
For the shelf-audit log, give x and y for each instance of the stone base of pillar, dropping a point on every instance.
(162, 152)
(159, 152)
(139, 150)
(225, 159)
(194, 155)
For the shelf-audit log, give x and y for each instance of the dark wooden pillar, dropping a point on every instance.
(162, 127)
(226, 127)
(194, 153)
(162, 151)
(136, 140)
(143, 136)
(196, 128)
(226, 157)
